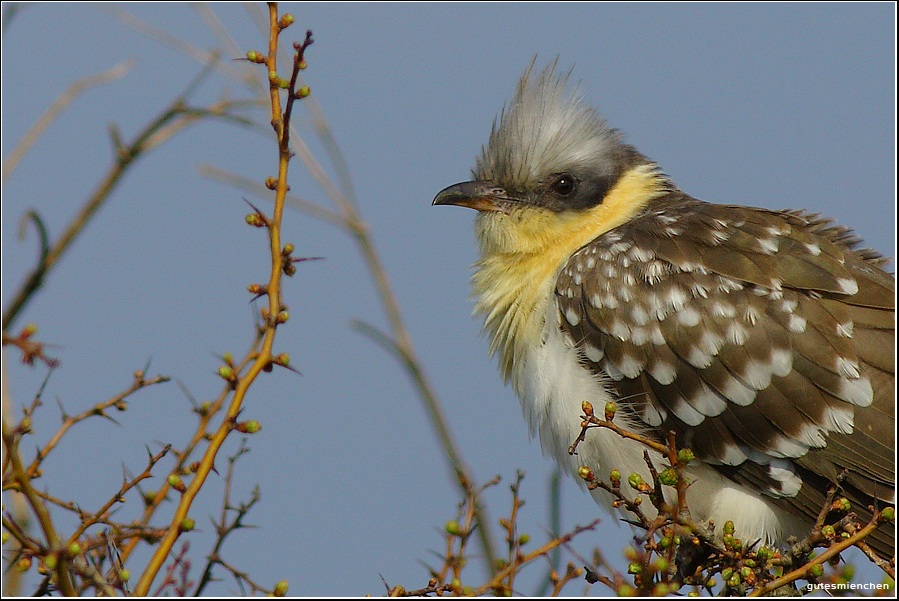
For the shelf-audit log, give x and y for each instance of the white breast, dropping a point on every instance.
(552, 384)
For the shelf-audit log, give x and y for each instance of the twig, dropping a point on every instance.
(97, 410)
(827, 554)
(265, 357)
(177, 116)
(39, 509)
(59, 105)
(223, 528)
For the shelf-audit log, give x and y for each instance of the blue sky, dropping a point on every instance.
(771, 105)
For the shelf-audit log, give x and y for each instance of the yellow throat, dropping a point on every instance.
(523, 251)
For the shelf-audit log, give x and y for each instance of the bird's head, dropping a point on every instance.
(551, 164)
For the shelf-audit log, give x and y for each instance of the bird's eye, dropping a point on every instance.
(564, 184)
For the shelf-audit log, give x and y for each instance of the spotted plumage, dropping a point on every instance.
(764, 339)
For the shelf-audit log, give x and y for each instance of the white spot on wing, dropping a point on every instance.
(739, 394)
(784, 446)
(737, 334)
(845, 329)
(847, 368)
(848, 285)
(796, 324)
(784, 473)
(839, 419)
(687, 413)
(708, 403)
(630, 366)
(781, 361)
(768, 245)
(662, 372)
(689, 317)
(858, 392)
(812, 435)
(592, 353)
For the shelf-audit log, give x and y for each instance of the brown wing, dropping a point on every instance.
(763, 338)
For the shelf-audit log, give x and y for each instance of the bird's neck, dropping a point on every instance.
(523, 251)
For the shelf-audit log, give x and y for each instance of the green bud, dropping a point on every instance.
(615, 477)
(585, 473)
(452, 527)
(303, 91)
(841, 504)
(74, 549)
(729, 527)
(685, 456)
(51, 561)
(175, 481)
(288, 248)
(626, 590)
(255, 57)
(226, 372)
(282, 317)
(253, 426)
(668, 477)
(282, 83)
(273, 76)
(635, 480)
(187, 524)
(661, 589)
(634, 568)
(280, 589)
(816, 571)
(888, 514)
(283, 359)
(124, 575)
(828, 531)
(745, 572)
(734, 581)
(726, 573)
(610, 410)
(587, 408)
(524, 539)
(255, 220)
(286, 21)
(455, 584)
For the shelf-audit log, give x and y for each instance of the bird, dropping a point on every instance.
(764, 339)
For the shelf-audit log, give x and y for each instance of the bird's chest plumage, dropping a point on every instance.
(517, 296)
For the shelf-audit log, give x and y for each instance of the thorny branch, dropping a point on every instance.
(657, 559)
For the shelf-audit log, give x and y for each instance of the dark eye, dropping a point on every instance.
(564, 184)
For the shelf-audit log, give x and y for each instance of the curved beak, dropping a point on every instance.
(480, 196)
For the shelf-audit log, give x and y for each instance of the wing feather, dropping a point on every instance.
(764, 339)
